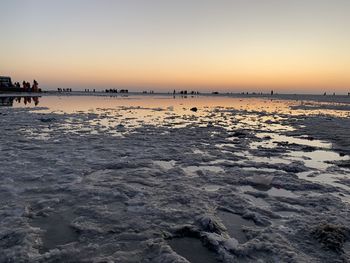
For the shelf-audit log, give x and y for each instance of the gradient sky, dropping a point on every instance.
(237, 45)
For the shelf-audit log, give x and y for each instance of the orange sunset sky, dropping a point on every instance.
(237, 45)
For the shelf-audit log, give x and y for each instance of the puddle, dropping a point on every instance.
(271, 160)
(57, 230)
(260, 159)
(234, 223)
(284, 138)
(259, 202)
(256, 169)
(167, 165)
(324, 178)
(317, 159)
(225, 145)
(221, 161)
(192, 249)
(264, 144)
(272, 191)
(197, 151)
(280, 192)
(287, 214)
(192, 170)
(212, 187)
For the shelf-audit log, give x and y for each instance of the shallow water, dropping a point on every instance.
(57, 229)
(122, 114)
(192, 249)
(318, 159)
(234, 224)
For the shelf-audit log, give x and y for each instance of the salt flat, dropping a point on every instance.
(145, 179)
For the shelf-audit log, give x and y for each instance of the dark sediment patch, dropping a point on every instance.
(58, 230)
(331, 236)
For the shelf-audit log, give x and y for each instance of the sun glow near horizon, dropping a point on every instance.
(229, 45)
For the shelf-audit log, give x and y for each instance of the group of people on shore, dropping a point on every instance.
(88, 90)
(116, 91)
(27, 87)
(64, 90)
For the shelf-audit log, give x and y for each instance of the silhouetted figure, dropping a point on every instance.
(35, 87)
(324, 94)
(24, 86)
(271, 92)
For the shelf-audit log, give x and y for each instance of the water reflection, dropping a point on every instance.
(257, 129)
(120, 115)
(183, 104)
(18, 101)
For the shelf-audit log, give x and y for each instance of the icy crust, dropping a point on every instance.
(70, 193)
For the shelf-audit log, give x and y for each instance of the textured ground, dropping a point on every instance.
(220, 185)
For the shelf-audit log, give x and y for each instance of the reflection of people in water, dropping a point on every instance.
(36, 101)
(6, 101)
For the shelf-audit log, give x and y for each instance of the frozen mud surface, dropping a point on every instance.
(228, 183)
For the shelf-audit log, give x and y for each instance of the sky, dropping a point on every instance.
(290, 46)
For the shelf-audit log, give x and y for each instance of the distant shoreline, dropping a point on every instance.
(309, 97)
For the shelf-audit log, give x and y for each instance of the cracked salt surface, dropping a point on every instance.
(144, 179)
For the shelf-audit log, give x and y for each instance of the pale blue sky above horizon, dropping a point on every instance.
(233, 45)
